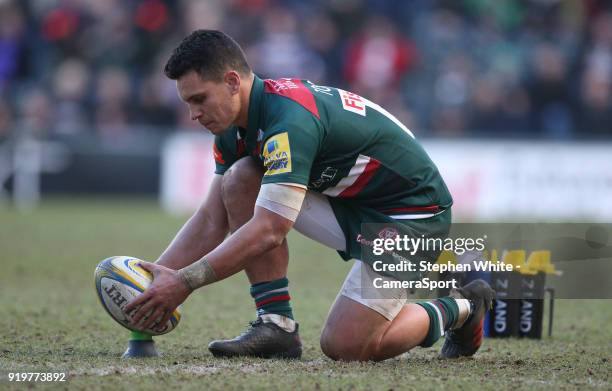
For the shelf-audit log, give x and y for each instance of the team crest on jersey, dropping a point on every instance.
(388, 233)
(326, 176)
(277, 154)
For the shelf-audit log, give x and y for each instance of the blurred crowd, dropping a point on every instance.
(446, 68)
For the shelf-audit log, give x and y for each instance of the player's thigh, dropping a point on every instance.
(318, 222)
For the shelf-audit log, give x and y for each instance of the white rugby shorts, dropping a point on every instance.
(317, 221)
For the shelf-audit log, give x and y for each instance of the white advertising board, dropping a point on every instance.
(493, 181)
(187, 168)
(489, 180)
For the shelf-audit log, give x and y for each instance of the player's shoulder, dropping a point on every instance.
(290, 98)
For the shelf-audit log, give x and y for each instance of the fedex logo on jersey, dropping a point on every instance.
(277, 154)
(357, 104)
(352, 102)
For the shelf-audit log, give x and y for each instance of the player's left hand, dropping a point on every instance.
(166, 292)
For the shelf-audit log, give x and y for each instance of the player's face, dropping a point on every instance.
(214, 104)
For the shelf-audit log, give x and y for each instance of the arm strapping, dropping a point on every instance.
(198, 274)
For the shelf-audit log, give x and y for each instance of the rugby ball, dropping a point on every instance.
(118, 281)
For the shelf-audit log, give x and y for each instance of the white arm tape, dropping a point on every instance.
(284, 200)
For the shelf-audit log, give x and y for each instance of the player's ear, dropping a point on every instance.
(232, 80)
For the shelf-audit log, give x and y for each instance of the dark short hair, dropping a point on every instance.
(210, 53)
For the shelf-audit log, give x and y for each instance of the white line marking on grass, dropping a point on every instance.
(142, 370)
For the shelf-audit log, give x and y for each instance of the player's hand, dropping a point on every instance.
(166, 292)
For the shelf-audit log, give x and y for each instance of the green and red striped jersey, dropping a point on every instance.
(337, 143)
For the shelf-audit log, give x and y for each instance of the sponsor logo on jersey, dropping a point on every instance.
(352, 102)
(277, 154)
(272, 146)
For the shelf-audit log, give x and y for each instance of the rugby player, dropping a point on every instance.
(292, 154)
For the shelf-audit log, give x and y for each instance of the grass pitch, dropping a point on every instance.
(51, 319)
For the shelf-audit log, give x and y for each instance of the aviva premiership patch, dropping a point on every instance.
(277, 154)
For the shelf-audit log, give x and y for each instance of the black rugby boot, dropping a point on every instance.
(466, 340)
(261, 339)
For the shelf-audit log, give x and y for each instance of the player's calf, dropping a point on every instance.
(355, 332)
(445, 313)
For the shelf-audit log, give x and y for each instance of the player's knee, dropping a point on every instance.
(327, 346)
(337, 347)
(241, 183)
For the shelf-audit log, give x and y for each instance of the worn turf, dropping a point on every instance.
(50, 319)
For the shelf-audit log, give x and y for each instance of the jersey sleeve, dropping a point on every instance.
(224, 156)
(288, 151)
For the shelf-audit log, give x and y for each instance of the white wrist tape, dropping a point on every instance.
(197, 274)
(284, 200)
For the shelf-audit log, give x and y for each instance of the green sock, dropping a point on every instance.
(138, 336)
(443, 313)
(272, 297)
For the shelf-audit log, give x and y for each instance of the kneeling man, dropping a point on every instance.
(293, 154)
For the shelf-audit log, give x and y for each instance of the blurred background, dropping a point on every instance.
(513, 99)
